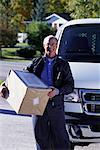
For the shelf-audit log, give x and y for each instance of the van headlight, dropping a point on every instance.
(74, 96)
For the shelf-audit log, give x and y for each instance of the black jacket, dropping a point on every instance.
(62, 76)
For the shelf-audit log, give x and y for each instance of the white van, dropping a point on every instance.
(79, 43)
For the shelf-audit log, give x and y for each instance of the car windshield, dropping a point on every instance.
(82, 41)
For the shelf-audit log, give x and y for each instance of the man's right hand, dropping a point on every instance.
(53, 93)
(4, 92)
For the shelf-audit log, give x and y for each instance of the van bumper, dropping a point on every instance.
(83, 128)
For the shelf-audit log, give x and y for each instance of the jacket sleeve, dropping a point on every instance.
(68, 81)
(32, 66)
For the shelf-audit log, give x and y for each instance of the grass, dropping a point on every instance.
(10, 53)
(1, 81)
(38, 54)
(22, 44)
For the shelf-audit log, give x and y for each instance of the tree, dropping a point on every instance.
(7, 30)
(76, 8)
(84, 8)
(5, 13)
(57, 6)
(22, 10)
(39, 10)
(36, 33)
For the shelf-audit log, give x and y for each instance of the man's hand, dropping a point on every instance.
(4, 92)
(53, 93)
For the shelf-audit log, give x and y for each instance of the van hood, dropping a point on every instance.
(86, 75)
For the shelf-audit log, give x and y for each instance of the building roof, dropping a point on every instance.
(59, 16)
(65, 16)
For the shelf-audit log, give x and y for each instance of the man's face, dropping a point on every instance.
(50, 48)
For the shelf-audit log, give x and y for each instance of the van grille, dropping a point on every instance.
(93, 108)
(92, 97)
(91, 101)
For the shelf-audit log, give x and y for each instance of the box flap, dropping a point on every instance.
(15, 96)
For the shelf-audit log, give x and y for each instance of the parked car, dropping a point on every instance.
(79, 43)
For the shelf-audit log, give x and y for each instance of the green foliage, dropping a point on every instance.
(1, 81)
(57, 6)
(22, 11)
(77, 8)
(27, 52)
(5, 14)
(9, 53)
(15, 12)
(8, 35)
(39, 10)
(36, 33)
(84, 8)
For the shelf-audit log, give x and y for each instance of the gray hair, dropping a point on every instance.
(46, 39)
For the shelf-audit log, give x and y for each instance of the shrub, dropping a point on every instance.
(37, 31)
(8, 37)
(26, 52)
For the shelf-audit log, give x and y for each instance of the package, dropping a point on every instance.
(27, 93)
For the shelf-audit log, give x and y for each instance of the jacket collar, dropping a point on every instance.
(44, 58)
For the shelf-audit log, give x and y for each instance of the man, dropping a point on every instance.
(55, 72)
(50, 130)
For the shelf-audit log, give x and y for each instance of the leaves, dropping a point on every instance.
(77, 8)
(15, 12)
(22, 11)
(84, 8)
(39, 10)
(36, 33)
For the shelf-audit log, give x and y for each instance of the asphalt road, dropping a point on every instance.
(6, 66)
(16, 131)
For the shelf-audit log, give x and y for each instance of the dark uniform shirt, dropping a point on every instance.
(47, 73)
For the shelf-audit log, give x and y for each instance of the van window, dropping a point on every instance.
(82, 41)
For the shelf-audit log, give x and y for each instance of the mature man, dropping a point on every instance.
(55, 72)
(50, 130)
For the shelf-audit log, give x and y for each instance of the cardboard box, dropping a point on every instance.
(28, 94)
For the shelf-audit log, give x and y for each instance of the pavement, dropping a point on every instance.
(16, 131)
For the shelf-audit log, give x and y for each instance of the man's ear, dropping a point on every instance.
(44, 46)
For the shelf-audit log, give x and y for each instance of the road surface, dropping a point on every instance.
(16, 131)
(6, 66)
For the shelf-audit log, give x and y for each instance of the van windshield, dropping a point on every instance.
(81, 42)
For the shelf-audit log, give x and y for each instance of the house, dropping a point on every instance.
(56, 20)
(22, 37)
